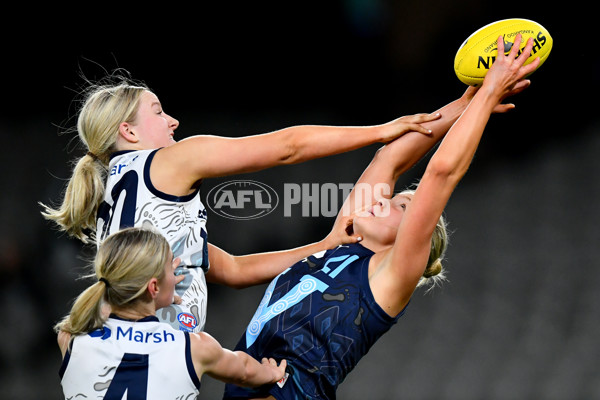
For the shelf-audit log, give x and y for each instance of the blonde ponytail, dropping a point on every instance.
(124, 264)
(86, 313)
(433, 269)
(435, 273)
(82, 197)
(105, 107)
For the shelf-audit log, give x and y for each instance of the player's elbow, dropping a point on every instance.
(246, 279)
(441, 167)
(232, 280)
(239, 284)
(297, 144)
(445, 169)
(290, 145)
(248, 374)
(386, 159)
(244, 378)
(382, 155)
(235, 275)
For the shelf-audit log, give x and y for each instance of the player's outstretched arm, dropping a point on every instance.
(400, 268)
(253, 269)
(232, 366)
(397, 157)
(186, 162)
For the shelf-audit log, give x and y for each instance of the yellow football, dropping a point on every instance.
(476, 55)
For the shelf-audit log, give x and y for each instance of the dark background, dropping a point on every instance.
(518, 318)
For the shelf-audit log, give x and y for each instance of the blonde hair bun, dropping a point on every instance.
(435, 268)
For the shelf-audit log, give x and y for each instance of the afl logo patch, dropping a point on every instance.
(242, 199)
(187, 321)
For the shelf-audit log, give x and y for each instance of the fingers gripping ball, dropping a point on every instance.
(476, 55)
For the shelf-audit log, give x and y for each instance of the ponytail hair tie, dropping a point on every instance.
(95, 157)
(103, 279)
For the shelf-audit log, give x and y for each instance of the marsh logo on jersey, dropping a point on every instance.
(187, 321)
(103, 333)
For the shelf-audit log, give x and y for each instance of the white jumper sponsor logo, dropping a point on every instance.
(144, 337)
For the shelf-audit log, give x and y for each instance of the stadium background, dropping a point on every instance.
(519, 318)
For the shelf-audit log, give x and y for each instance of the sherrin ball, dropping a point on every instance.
(477, 54)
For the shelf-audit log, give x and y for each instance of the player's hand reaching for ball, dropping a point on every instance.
(500, 107)
(409, 123)
(507, 73)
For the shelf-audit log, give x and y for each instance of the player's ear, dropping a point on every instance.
(126, 132)
(153, 287)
